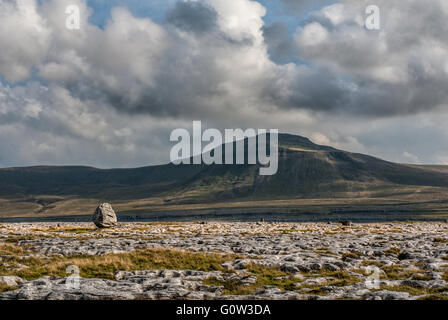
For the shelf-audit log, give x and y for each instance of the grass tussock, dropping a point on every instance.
(8, 249)
(413, 291)
(4, 287)
(375, 263)
(16, 239)
(336, 278)
(287, 231)
(393, 251)
(351, 255)
(435, 297)
(57, 229)
(439, 240)
(445, 276)
(266, 276)
(397, 272)
(421, 276)
(105, 266)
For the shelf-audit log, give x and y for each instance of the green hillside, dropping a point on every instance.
(305, 171)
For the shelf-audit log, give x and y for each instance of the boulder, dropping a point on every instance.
(104, 216)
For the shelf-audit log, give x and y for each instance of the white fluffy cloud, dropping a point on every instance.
(24, 38)
(109, 96)
(138, 66)
(402, 68)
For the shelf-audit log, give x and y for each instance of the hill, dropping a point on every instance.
(305, 171)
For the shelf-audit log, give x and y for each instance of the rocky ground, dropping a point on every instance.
(265, 261)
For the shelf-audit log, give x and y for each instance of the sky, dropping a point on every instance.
(109, 94)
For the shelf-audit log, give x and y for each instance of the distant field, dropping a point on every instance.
(404, 203)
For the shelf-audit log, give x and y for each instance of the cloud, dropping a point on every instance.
(160, 70)
(277, 38)
(220, 56)
(124, 85)
(110, 96)
(41, 125)
(24, 38)
(411, 158)
(296, 6)
(400, 69)
(193, 16)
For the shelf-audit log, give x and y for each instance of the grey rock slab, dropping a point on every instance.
(11, 281)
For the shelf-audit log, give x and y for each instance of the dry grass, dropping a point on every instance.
(335, 279)
(421, 276)
(68, 229)
(393, 251)
(440, 240)
(104, 266)
(4, 288)
(397, 272)
(266, 276)
(350, 255)
(323, 251)
(7, 249)
(413, 291)
(445, 276)
(372, 263)
(286, 231)
(439, 296)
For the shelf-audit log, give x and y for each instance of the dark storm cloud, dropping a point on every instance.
(193, 16)
(280, 45)
(322, 91)
(400, 69)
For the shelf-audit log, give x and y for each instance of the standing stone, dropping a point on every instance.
(104, 216)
